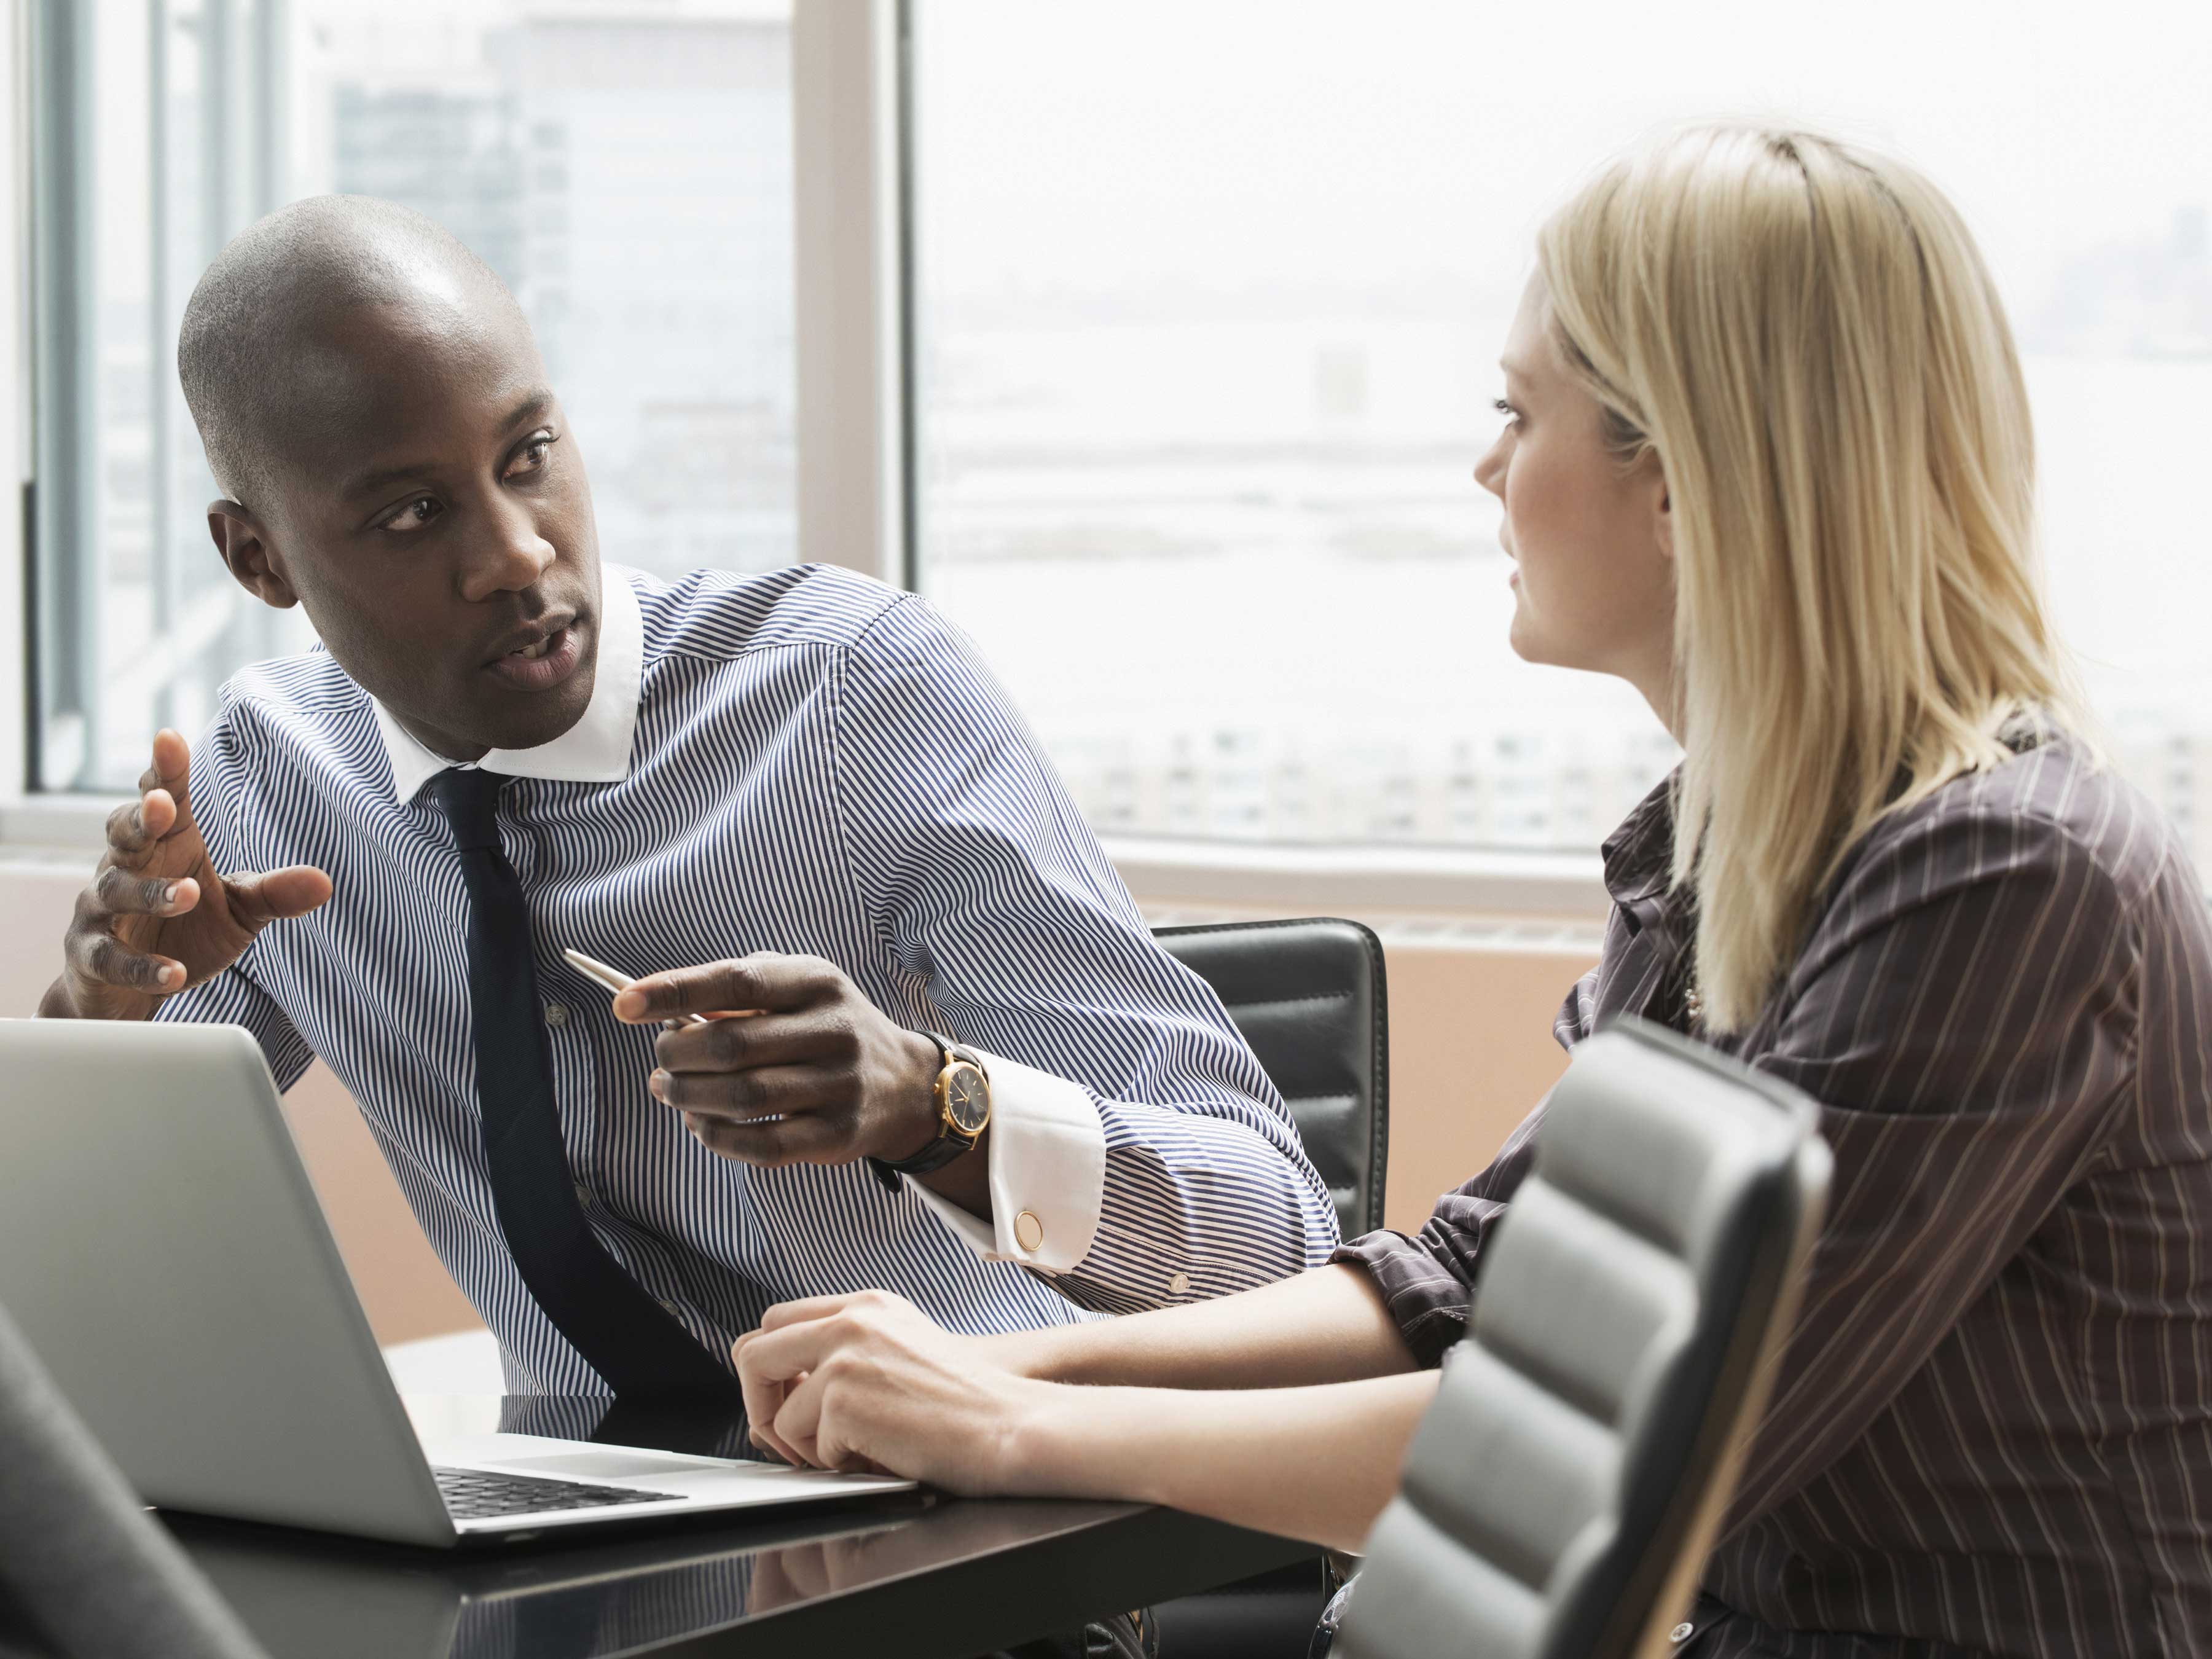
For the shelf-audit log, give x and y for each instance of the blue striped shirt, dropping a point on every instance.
(819, 765)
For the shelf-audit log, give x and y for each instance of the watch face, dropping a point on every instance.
(967, 1100)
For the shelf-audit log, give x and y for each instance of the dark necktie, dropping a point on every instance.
(632, 1342)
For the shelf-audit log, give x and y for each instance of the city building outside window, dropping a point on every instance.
(626, 169)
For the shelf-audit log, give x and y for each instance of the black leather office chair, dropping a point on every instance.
(1560, 1498)
(85, 1572)
(1308, 996)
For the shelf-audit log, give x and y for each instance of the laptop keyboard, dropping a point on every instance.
(480, 1495)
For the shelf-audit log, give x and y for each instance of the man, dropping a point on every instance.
(804, 780)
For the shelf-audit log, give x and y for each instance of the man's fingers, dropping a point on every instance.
(121, 892)
(105, 960)
(825, 1035)
(806, 1138)
(135, 828)
(768, 1092)
(172, 767)
(258, 900)
(764, 980)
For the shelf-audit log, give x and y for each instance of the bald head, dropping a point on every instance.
(262, 347)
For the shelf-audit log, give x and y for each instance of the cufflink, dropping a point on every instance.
(1029, 1231)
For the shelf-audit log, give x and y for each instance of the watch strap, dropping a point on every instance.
(949, 1143)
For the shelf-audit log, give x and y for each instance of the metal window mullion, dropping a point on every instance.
(17, 747)
(271, 113)
(906, 277)
(69, 548)
(219, 91)
(168, 602)
(260, 172)
(851, 422)
(228, 191)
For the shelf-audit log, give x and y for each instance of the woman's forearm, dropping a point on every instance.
(1326, 1325)
(1317, 1463)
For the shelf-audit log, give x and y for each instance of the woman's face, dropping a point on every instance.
(1591, 541)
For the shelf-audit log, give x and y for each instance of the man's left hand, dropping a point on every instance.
(793, 1064)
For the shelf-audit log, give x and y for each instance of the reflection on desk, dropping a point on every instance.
(303, 1593)
(952, 1579)
(905, 1574)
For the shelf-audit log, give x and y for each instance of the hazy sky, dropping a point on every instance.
(1212, 140)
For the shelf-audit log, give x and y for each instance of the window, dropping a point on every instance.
(627, 171)
(1207, 317)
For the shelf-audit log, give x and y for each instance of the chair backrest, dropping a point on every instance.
(81, 1559)
(1559, 1496)
(1308, 996)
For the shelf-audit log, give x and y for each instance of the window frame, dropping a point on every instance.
(15, 424)
(853, 187)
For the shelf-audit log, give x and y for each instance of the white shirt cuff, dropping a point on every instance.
(1048, 1154)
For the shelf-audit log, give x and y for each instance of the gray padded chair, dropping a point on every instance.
(85, 1572)
(1560, 1498)
(1309, 995)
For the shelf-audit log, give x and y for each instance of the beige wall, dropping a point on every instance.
(1471, 1050)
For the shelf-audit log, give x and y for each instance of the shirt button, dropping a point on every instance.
(674, 1310)
(1029, 1231)
(557, 1013)
(583, 1194)
(1681, 1634)
(1178, 1284)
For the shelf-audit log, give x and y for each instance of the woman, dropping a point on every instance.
(1767, 458)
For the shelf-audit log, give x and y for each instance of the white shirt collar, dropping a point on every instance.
(595, 749)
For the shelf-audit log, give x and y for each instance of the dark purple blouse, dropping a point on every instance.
(1992, 1433)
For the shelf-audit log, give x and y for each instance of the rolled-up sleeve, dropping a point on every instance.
(1427, 1281)
(1153, 1159)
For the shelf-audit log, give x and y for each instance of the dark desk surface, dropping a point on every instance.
(957, 1578)
(902, 1576)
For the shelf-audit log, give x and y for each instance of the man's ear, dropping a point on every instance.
(239, 537)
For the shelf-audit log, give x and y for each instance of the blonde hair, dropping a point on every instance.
(1806, 337)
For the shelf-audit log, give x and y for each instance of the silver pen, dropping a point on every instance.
(615, 980)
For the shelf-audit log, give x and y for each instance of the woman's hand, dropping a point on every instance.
(868, 1381)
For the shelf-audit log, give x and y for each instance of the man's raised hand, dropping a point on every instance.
(158, 916)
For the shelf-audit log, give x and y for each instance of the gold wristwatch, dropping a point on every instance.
(963, 1112)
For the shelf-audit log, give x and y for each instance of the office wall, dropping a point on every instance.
(1471, 1050)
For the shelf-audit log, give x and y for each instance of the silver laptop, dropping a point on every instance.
(162, 1251)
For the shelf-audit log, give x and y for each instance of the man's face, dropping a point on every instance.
(430, 511)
